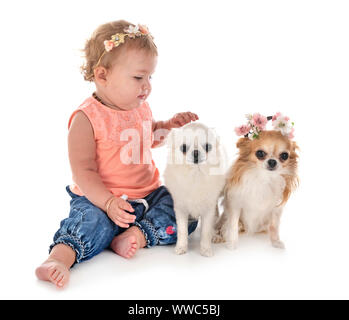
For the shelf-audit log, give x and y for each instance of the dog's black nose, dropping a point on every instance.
(196, 156)
(272, 163)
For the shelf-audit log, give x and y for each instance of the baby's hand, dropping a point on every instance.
(180, 119)
(117, 214)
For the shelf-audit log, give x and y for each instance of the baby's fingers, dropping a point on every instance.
(121, 224)
(181, 119)
(125, 217)
(188, 117)
(193, 116)
(124, 205)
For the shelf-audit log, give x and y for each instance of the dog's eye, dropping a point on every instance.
(284, 156)
(260, 154)
(208, 147)
(183, 148)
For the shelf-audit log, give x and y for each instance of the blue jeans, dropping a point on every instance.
(88, 230)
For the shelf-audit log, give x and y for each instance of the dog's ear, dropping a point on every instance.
(215, 135)
(218, 140)
(294, 148)
(243, 143)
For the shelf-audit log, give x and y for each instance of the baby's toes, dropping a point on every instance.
(63, 281)
(54, 275)
(60, 281)
(131, 252)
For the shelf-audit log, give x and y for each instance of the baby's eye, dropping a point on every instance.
(140, 78)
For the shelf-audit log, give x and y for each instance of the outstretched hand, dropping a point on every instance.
(182, 118)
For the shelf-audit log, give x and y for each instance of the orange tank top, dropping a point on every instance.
(123, 148)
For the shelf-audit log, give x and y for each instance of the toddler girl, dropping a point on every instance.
(117, 200)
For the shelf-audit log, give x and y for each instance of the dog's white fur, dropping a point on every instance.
(195, 187)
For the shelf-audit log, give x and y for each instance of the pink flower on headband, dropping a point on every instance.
(259, 121)
(283, 124)
(119, 38)
(291, 134)
(132, 29)
(277, 114)
(243, 130)
(109, 45)
(143, 29)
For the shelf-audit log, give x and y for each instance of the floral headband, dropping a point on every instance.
(119, 38)
(256, 123)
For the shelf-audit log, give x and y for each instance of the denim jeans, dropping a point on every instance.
(88, 230)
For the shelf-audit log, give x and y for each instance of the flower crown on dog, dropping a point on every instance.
(257, 123)
(119, 38)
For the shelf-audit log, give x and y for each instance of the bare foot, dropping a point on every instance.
(127, 243)
(54, 271)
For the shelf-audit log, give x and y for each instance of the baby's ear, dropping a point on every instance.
(243, 143)
(100, 74)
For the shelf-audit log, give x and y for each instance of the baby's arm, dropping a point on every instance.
(82, 155)
(161, 130)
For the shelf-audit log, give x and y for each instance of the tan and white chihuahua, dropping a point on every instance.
(258, 186)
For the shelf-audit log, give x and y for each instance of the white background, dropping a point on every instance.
(220, 59)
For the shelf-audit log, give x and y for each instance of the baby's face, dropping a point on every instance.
(129, 80)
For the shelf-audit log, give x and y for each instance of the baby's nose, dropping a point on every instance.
(147, 85)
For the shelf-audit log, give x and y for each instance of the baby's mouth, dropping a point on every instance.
(142, 96)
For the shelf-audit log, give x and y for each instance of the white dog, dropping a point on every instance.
(195, 177)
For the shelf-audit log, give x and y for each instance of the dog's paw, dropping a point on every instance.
(232, 245)
(206, 251)
(278, 244)
(180, 249)
(218, 238)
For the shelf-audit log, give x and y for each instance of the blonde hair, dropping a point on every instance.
(94, 47)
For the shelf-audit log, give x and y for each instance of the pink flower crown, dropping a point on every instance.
(119, 38)
(257, 123)
(131, 32)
